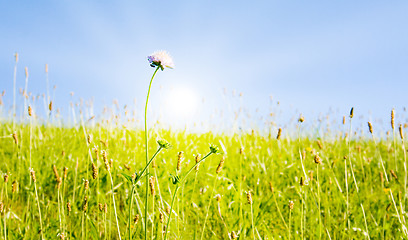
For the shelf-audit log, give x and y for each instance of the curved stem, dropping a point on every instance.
(147, 147)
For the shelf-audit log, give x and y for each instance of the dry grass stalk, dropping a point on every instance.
(69, 208)
(197, 159)
(279, 134)
(370, 127)
(94, 171)
(180, 158)
(14, 186)
(291, 205)
(15, 137)
(152, 188)
(33, 175)
(220, 165)
(393, 119)
(85, 204)
(401, 132)
(271, 187)
(86, 184)
(136, 219)
(249, 197)
(30, 111)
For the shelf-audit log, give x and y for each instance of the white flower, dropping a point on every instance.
(161, 59)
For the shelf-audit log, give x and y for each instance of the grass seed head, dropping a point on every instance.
(249, 197)
(344, 120)
(14, 186)
(291, 205)
(161, 217)
(94, 171)
(1, 207)
(197, 159)
(126, 166)
(279, 134)
(271, 187)
(394, 174)
(317, 159)
(370, 127)
(393, 119)
(234, 235)
(168, 210)
(30, 111)
(96, 151)
(54, 169)
(381, 177)
(218, 197)
(401, 132)
(152, 188)
(241, 150)
(220, 165)
(86, 184)
(136, 219)
(352, 112)
(100, 206)
(85, 204)
(154, 164)
(6, 178)
(69, 208)
(302, 182)
(105, 208)
(65, 172)
(319, 144)
(15, 137)
(180, 158)
(301, 119)
(89, 138)
(33, 175)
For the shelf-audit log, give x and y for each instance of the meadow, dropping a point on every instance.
(94, 179)
(260, 187)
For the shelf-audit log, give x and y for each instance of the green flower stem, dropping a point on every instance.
(177, 187)
(147, 165)
(133, 188)
(147, 149)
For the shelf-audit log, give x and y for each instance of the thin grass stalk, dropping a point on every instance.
(279, 211)
(208, 207)
(114, 205)
(319, 201)
(14, 91)
(252, 221)
(176, 189)
(39, 210)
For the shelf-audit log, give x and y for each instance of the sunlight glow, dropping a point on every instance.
(181, 103)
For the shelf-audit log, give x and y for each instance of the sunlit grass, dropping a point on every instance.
(271, 170)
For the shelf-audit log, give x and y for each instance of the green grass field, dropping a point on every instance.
(260, 187)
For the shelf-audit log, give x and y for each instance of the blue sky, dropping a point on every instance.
(311, 56)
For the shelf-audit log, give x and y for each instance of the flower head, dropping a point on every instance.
(161, 59)
(164, 144)
(214, 149)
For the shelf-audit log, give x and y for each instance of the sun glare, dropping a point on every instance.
(181, 103)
